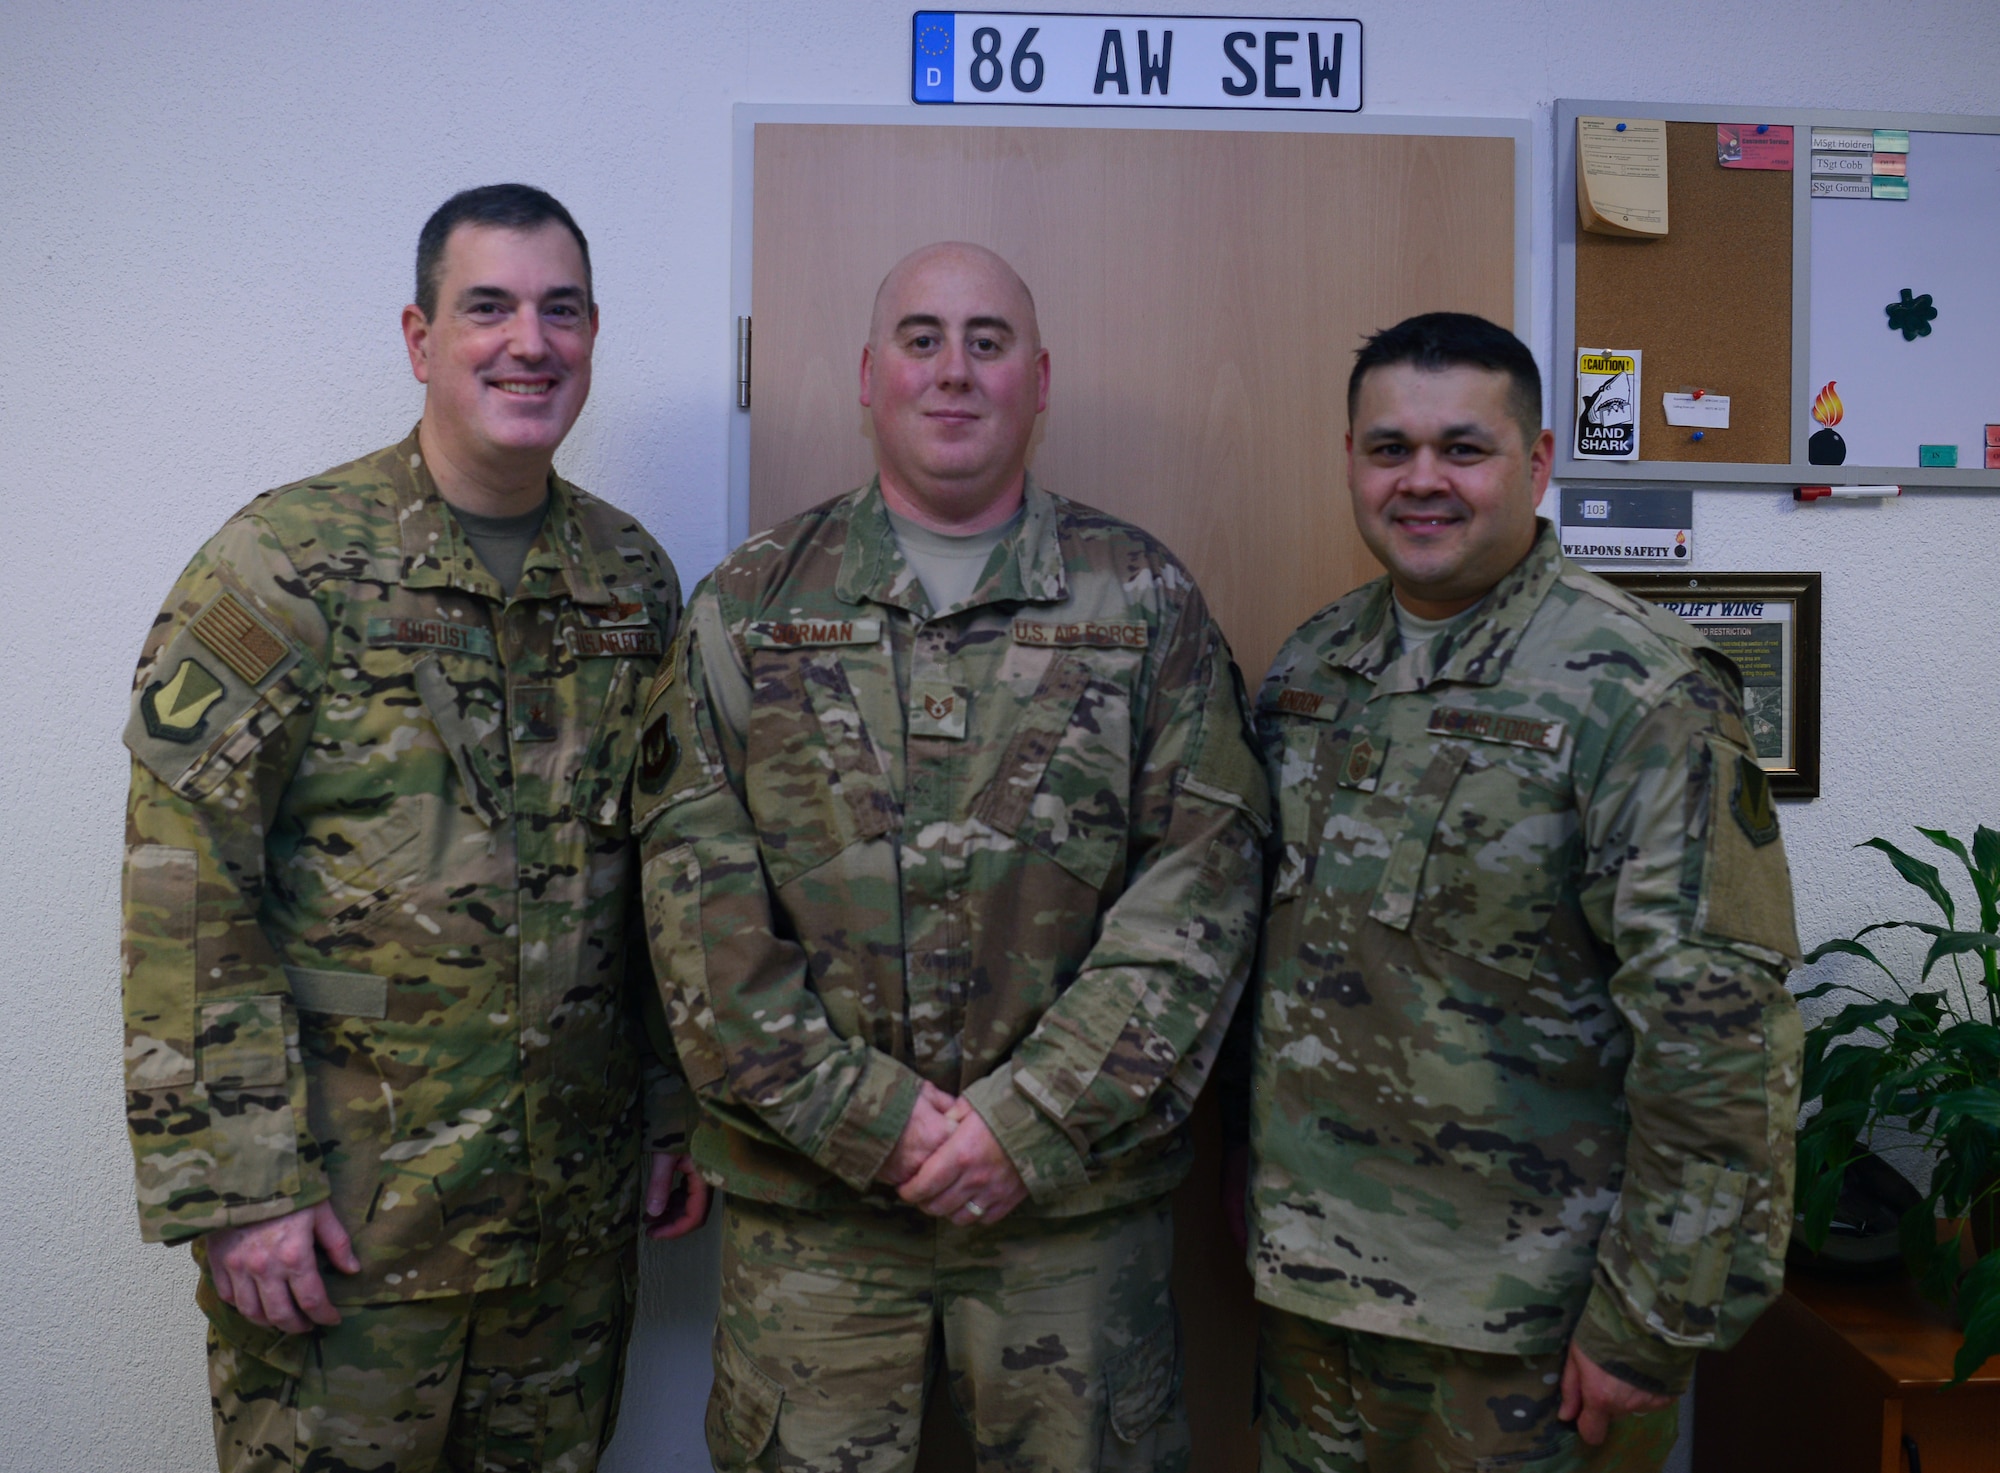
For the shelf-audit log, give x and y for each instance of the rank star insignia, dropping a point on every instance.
(176, 709)
(1911, 316)
(1359, 761)
(937, 709)
(1752, 805)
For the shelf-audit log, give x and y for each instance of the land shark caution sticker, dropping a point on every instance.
(1607, 404)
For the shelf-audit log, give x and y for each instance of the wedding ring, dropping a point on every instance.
(975, 1209)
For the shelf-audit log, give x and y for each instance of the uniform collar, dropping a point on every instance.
(1477, 654)
(436, 553)
(1027, 566)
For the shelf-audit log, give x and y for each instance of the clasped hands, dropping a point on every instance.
(947, 1162)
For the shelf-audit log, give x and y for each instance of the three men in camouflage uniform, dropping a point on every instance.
(1525, 1069)
(382, 1056)
(952, 837)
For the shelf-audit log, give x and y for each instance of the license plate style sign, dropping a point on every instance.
(1068, 60)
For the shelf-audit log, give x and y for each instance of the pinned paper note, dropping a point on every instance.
(1607, 404)
(1621, 176)
(1993, 447)
(1753, 146)
(1697, 411)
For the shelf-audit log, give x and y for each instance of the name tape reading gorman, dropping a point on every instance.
(805, 633)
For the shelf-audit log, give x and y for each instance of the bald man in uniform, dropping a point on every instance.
(952, 840)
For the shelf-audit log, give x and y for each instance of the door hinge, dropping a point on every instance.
(743, 363)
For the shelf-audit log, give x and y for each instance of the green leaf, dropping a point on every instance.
(1924, 876)
(1935, 1263)
(1979, 1310)
(1846, 946)
(1980, 1102)
(1986, 852)
(1957, 943)
(1984, 880)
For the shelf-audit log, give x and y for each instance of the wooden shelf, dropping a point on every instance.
(1834, 1378)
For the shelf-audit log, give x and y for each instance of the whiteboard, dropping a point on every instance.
(1943, 240)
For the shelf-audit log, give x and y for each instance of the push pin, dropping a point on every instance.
(1621, 127)
(1699, 392)
(1763, 127)
(1696, 435)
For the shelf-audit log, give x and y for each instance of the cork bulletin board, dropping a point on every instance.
(1762, 291)
(1710, 304)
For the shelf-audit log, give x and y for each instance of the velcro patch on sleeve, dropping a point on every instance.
(431, 634)
(793, 634)
(242, 641)
(617, 640)
(1493, 726)
(1746, 885)
(1082, 635)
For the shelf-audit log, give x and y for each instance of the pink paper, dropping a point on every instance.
(1741, 146)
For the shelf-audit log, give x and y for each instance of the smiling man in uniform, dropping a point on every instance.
(380, 902)
(952, 834)
(1525, 1069)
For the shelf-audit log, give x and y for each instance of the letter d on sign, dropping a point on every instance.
(932, 76)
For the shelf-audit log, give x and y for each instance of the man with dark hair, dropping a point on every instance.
(1524, 1069)
(382, 958)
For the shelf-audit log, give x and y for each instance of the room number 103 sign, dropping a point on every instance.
(994, 56)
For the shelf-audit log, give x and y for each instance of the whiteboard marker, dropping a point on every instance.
(1849, 493)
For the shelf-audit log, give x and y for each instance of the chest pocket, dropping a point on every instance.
(602, 792)
(815, 783)
(1479, 868)
(1064, 782)
(1302, 757)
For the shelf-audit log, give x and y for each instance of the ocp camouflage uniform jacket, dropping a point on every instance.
(1013, 849)
(379, 883)
(1525, 1065)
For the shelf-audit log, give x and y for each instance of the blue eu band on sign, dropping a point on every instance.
(1069, 60)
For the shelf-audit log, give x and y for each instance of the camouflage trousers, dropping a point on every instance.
(510, 1381)
(1057, 1337)
(1340, 1401)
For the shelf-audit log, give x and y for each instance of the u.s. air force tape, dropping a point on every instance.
(1492, 726)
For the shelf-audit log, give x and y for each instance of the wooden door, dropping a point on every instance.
(1201, 295)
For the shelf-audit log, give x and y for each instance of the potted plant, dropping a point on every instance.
(1922, 1058)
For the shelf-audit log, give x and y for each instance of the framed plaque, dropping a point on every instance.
(1768, 623)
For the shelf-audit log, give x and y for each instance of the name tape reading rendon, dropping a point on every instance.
(994, 56)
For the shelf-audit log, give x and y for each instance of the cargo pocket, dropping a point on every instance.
(671, 886)
(1141, 1385)
(242, 1046)
(742, 1407)
(1064, 783)
(816, 785)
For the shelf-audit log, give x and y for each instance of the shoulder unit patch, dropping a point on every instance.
(176, 709)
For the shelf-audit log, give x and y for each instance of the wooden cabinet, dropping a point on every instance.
(1839, 1377)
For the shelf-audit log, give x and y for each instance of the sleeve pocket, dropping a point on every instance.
(159, 966)
(241, 1044)
(743, 1406)
(1701, 1241)
(672, 885)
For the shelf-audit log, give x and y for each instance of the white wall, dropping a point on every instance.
(207, 213)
